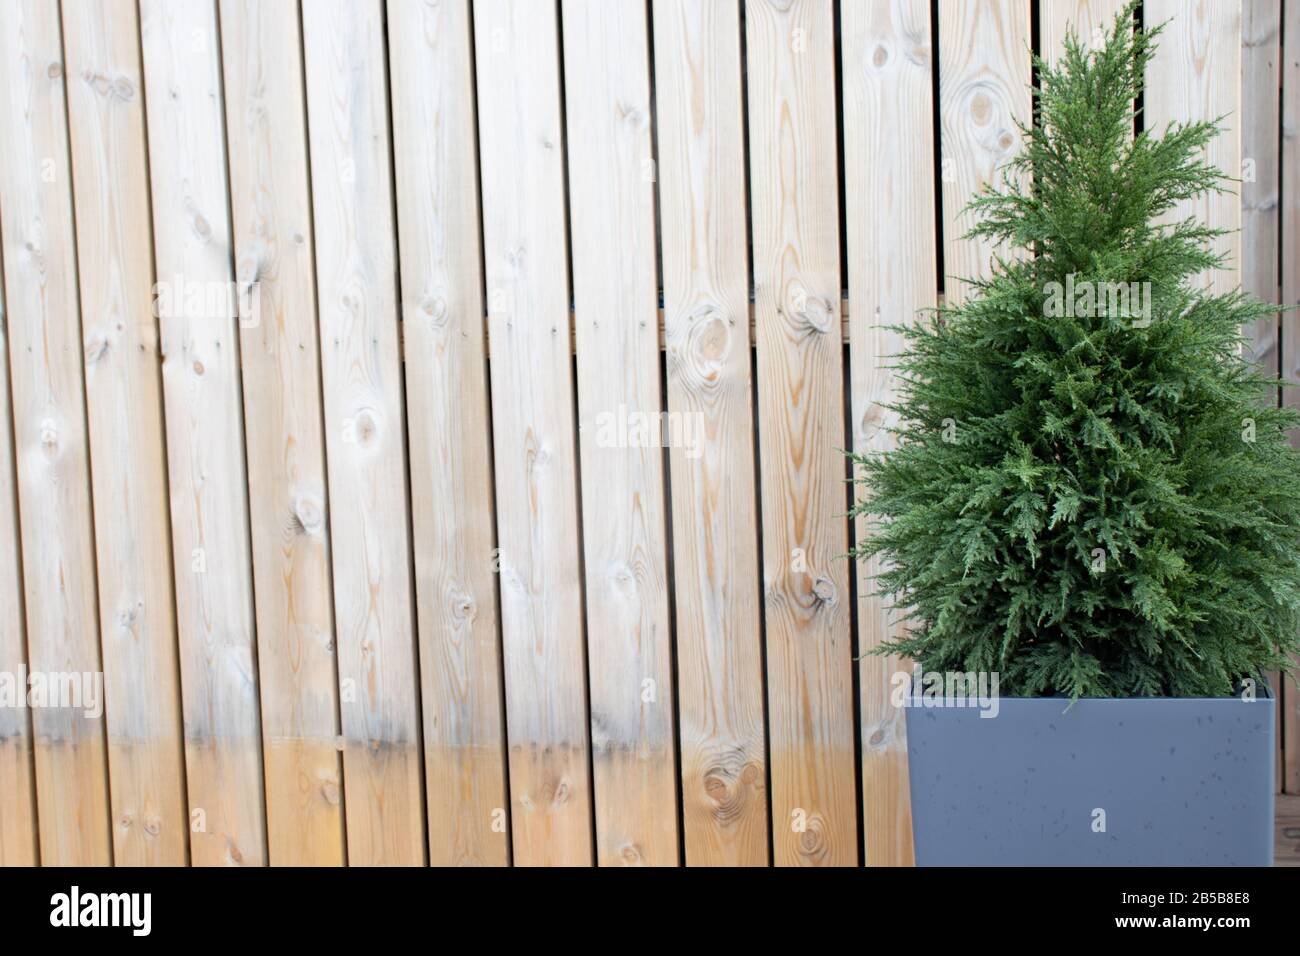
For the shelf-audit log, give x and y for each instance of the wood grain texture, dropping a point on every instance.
(205, 432)
(616, 290)
(435, 156)
(49, 421)
(1290, 191)
(890, 223)
(17, 774)
(365, 431)
(526, 261)
(984, 76)
(1287, 842)
(271, 220)
(700, 112)
(124, 403)
(795, 221)
(1261, 80)
(1185, 82)
(1090, 19)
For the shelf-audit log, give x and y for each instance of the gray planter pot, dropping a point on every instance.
(1107, 782)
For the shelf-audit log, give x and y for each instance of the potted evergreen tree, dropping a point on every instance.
(1090, 521)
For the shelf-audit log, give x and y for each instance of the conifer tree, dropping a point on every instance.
(1092, 492)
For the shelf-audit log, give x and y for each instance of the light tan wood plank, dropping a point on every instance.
(17, 774)
(890, 222)
(984, 76)
(49, 420)
(365, 431)
(526, 261)
(1194, 76)
(205, 434)
(1261, 81)
(1261, 87)
(714, 505)
(124, 402)
(1290, 345)
(1091, 20)
(612, 223)
(795, 221)
(435, 156)
(271, 207)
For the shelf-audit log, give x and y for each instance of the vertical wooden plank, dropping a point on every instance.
(205, 435)
(361, 372)
(435, 156)
(526, 263)
(794, 171)
(50, 428)
(1261, 87)
(271, 212)
(1195, 75)
(612, 210)
(124, 402)
(706, 317)
(890, 224)
(1290, 185)
(984, 77)
(17, 783)
(1091, 20)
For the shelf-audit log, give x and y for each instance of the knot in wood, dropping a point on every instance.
(462, 604)
(309, 513)
(812, 841)
(366, 427)
(824, 589)
(435, 309)
(631, 854)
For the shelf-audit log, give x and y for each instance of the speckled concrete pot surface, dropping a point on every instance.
(1107, 782)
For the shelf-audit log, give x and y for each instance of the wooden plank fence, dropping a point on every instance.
(420, 423)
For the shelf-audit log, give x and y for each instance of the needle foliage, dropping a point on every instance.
(1091, 492)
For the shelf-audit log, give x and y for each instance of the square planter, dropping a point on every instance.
(1106, 782)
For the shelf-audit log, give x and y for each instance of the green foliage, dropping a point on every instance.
(1095, 504)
